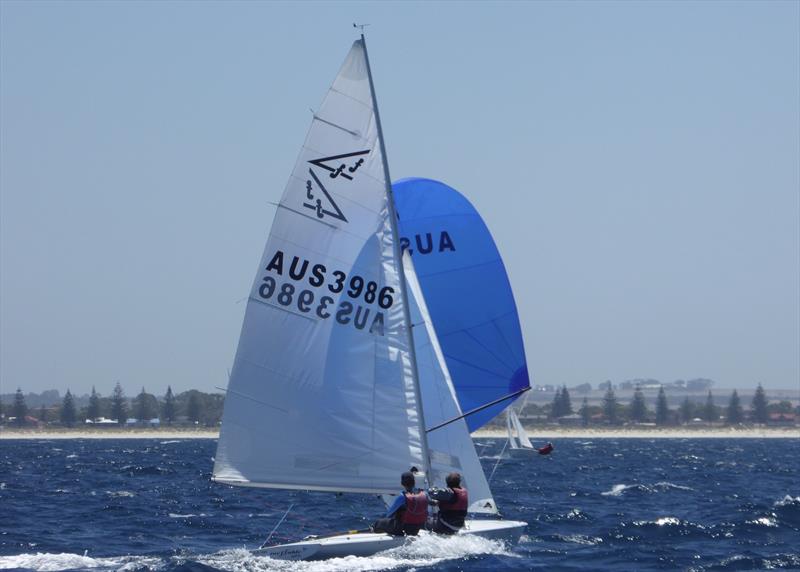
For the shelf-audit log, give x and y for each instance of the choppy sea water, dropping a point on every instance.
(602, 504)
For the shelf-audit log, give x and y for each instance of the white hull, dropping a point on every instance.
(521, 452)
(369, 543)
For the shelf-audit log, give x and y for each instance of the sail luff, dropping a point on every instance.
(398, 256)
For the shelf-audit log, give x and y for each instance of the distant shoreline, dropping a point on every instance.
(536, 433)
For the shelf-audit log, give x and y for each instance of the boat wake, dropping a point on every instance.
(424, 551)
(44, 562)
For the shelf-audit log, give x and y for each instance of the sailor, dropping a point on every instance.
(408, 512)
(546, 450)
(453, 502)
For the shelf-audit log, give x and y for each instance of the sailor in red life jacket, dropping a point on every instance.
(408, 512)
(453, 502)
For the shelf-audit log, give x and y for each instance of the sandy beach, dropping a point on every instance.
(536, 433)
(547, 434)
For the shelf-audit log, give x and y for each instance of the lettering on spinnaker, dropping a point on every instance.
(426, 243)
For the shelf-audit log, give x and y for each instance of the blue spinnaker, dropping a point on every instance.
(467, 292)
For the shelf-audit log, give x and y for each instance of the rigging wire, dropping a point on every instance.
(497, 464)
(277, 525)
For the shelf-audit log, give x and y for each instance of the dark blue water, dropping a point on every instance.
(602, 504)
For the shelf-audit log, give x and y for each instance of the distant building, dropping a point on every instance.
(782, 419)
(699, 384)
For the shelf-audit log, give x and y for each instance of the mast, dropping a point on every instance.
(403, 290)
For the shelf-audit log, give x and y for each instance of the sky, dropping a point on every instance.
(638, 164)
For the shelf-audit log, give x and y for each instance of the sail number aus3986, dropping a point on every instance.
(306, 300)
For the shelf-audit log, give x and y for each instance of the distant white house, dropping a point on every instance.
(101, 421)
(155, 422)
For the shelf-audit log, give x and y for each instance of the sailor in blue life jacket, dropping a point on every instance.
(408, 512)
(453, 502)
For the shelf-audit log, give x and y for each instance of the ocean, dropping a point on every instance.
(594, 504)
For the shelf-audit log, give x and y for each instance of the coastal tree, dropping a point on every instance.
(734, 413)
(585, 413)
(555, 408)
(562, 405)
(638, 407)
(610, 406)
(19, 409)
(687, 410)
(43, 413)
(782, 406)
(193, 408)
(709, 410)
(662, 409)
(759, 412)
(93, 411)
(145, 406)
(169, 406)
(566, 403)
(119, 408)
(68, 410)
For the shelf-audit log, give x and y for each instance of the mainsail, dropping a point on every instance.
(322, 393)
(477, 322)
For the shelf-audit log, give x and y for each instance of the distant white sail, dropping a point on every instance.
(450, 447)
(522, 435)
(512, 440)
(321, 394)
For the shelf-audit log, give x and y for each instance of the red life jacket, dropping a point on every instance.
(454, 512)
(416, 508)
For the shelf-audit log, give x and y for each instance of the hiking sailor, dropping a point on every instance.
(453, 502)
(408, 512)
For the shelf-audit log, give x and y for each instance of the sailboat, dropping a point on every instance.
(518, 440)
(339, 383)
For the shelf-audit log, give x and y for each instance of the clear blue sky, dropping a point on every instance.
(637, 163)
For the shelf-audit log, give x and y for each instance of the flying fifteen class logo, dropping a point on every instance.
(342, 167)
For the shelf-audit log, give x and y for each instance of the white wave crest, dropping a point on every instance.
(764, 521)
(424, 551)
(44, 562)
(667, 485)
(582, 539)
(169, 442)
(617, 490)
(175, 515)
(788, 500)
(120, 494)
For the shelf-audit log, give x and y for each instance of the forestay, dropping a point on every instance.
(321, 394)
(476, 321)
(450, 447)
